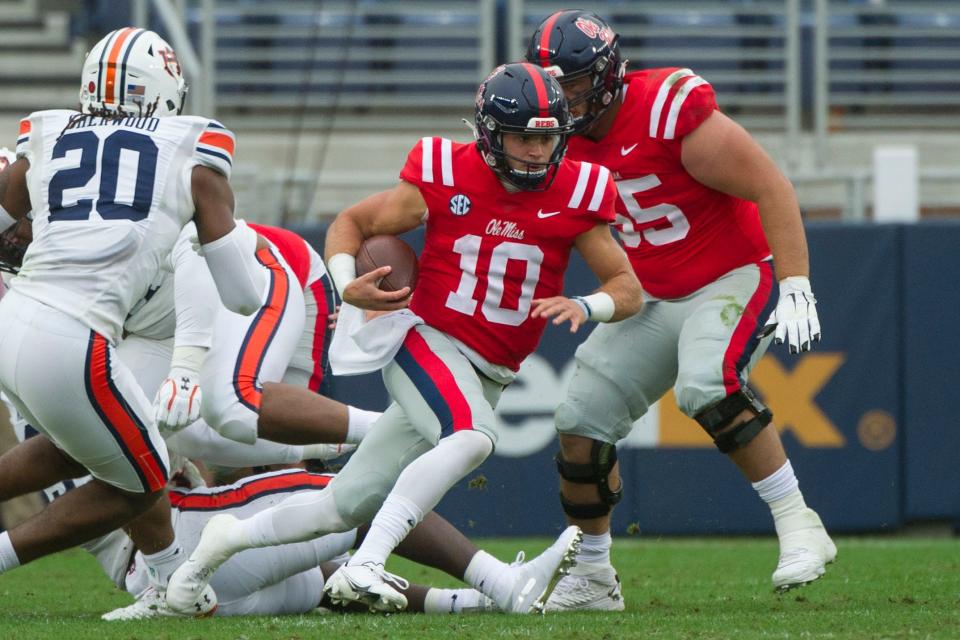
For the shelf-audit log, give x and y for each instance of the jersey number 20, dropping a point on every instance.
(136, 145)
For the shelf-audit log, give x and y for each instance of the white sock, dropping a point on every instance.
(162, 564)
(359, 422)
(453, 601)
(8, 557)
(778, 484)
(790, 513)
(595, 549)
(396, 518)
(489, 576)
(299, 518)
(418, 490)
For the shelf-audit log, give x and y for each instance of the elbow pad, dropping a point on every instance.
(239, 276)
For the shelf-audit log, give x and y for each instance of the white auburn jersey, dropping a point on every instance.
(109, 197)
(186, 311)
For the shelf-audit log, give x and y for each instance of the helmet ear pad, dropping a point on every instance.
(521, 99)
(132, 72)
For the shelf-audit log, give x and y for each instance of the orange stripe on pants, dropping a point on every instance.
(264, 326)
(117, 415)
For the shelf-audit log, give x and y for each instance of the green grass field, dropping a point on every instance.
(893, 588)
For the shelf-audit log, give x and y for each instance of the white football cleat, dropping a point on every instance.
(191, 579)
(804, 554)
(367, 584)
(153, 604)
(588, 587)
(531, 580)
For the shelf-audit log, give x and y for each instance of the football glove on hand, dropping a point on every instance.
(177, 404)
(795, 317)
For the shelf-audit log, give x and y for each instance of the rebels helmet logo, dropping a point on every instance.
(593, 30)
(460, 205)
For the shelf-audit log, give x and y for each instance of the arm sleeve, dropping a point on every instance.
(195, 294)
(215, 148)
(200, 441)
(240, 278)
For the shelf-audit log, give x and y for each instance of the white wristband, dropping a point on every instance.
(342, 268)
(6, 220)
(188, 357)
(599, 306)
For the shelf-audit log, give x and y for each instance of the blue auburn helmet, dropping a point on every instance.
(572, 44)
(524, 99)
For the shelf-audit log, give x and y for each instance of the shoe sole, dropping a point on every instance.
(831, 557)
(567, 561)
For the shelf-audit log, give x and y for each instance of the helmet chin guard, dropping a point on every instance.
(132, 72)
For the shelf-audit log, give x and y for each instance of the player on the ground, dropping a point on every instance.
(110, 187)
(272, 580)
(502, 217)
(701, 211)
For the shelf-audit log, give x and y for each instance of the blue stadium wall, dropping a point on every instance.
(869, 419)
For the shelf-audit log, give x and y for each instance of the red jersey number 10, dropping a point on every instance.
(469, 248)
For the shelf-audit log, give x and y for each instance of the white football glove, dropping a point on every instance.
(795, 317)
(177, 404)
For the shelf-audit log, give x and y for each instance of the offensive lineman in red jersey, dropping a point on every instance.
(701, 211)
(501, 218)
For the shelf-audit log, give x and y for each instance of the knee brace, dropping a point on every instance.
(603, 456)
(715, 418)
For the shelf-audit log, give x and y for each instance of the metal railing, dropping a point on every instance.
(893, 64)
(385, 64)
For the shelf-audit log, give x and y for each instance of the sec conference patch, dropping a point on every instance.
(460, 205)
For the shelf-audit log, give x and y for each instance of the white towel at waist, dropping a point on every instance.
(363, 346)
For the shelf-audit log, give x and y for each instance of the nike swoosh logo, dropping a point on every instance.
(542, 214)
(625, 150)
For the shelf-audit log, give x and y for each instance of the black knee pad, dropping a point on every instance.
(715, 419)
(603, 456)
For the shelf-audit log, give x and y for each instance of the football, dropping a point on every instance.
(384, 250)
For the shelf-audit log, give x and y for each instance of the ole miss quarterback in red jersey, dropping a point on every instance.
(501, 216)
(701, 210)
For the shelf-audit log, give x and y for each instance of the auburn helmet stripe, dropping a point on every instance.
(110, 90)
(542, 101)
(123, 65)
(103, 59)
(545, 39)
